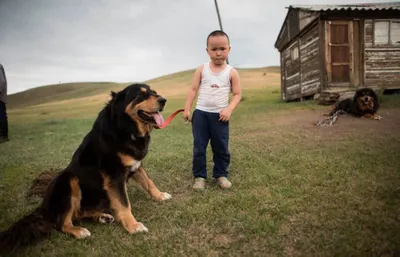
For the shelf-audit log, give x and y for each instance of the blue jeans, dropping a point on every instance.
(205, 128)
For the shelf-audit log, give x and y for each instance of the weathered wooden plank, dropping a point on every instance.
(394, 49)
(295, 87)
(368, 33)
(322, 60)
(328, 51)
(283, 86)
(306, 18)
(383, 73)
(310, 66)
(293, 95)
(380, 82)
(362, 52)
(356, 53)
(310, 75)
(293, 76)
(351, 51)
(312, 43)
(310, 88)
(310, 56)
(378, 58)
(384, 64)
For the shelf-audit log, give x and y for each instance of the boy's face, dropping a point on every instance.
(218, 49)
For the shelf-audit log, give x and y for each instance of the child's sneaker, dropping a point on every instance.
(224, 183)
(199, 184)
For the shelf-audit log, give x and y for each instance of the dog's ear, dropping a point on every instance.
(112, 103)
(355, 97)
(113, 95)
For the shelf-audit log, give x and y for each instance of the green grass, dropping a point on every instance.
(297, 190)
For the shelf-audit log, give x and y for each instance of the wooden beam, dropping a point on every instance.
(362, 49)
(328, 52)
(322, 59)
(351, 51)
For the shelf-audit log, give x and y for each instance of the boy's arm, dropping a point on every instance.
(225, 114)
(236, 89)
(192, 92)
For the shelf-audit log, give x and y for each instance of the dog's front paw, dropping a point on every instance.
(161, 196)
(82, 233)
(139, 227)
(165, 196)
(377, 117)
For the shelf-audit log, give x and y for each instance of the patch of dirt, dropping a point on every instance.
(41, 182)
(305, 121)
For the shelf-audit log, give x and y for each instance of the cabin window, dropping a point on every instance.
(294, 52)
(395, 32)
(387, 33)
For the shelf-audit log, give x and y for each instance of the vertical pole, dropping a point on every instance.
(219, 17)
(219, 20)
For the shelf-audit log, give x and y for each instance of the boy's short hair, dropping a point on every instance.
(217, 33)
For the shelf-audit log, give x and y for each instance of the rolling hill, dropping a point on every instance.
(171, 85)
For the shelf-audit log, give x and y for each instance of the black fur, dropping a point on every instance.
(30, 228)
(114, 131)
(365, 101)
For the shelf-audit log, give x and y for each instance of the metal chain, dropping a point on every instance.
(333, 119)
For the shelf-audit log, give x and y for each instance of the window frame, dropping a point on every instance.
(294, 49)
(389, 42)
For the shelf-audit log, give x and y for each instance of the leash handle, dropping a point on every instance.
(168, 120)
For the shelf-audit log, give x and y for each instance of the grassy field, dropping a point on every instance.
(298, 189)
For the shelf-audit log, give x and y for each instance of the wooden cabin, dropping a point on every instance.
(334, 48)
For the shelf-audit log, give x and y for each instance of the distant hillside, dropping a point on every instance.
(58, 92)
(173, 84)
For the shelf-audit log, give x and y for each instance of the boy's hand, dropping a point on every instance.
(225, 114)
(186, 115)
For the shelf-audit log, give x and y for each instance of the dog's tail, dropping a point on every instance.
(27, 230)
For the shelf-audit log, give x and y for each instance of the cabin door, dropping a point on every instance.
(339, 56)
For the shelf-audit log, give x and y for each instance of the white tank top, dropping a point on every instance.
(214, 89)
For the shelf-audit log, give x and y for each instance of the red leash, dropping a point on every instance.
(168, 120)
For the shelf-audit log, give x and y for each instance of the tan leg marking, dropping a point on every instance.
(143, 179)
(372, 116)
(122, 213)
(67, 226)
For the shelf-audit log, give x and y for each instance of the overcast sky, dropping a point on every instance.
(50, 41)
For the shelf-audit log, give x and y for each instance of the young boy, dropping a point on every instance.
(210, 120)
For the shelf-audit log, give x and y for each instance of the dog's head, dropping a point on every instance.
(140, 104)
(366, 99)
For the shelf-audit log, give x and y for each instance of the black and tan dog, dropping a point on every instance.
(364, 104)
(96, 178)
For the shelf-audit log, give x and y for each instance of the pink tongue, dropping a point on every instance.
(158, 118)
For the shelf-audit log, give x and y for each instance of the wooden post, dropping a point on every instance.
(219, 20)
